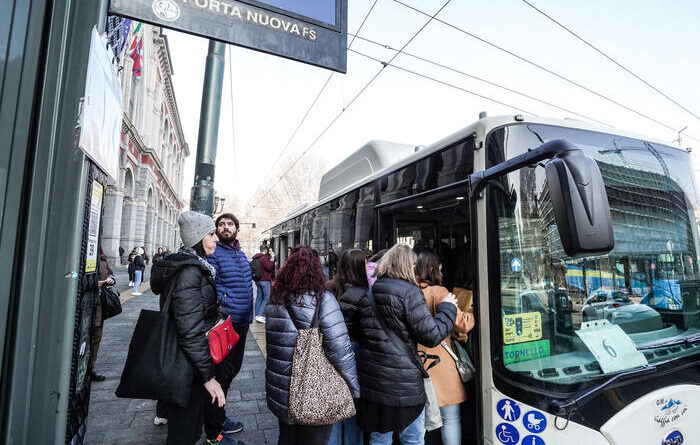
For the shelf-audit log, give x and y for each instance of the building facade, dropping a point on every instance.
(142, 206)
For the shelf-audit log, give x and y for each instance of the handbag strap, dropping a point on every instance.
(314, 318)
(398, 343)
(166, 303)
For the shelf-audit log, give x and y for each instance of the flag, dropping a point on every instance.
(136, 55)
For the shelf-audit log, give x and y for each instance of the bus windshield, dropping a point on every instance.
(565, 319)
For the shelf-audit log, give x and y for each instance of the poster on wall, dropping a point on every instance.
(101, 115)
(94, 228)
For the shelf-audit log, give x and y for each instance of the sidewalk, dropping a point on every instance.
(126, 421)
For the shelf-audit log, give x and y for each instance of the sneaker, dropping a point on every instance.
(225, 439)
(131, 284)
(97, 377)
(137, 294)
(158, 421)
(232, 426)
(260, 319)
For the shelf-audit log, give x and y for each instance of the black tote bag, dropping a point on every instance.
(156, 368)
(111, 305)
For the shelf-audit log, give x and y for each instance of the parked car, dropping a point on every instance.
(615, 306)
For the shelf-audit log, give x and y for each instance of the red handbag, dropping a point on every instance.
(222, 339)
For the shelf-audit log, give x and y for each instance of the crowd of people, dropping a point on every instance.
(386, 322)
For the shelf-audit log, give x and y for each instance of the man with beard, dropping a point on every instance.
(234, 286)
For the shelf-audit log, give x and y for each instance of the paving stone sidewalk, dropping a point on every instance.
(125, 421)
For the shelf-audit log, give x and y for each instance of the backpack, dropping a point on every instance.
(256, 269)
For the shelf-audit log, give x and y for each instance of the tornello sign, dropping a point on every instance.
(313, 32)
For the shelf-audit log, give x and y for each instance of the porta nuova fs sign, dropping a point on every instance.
(310, 31)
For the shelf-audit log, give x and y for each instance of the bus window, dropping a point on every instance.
(342, 219)
(647, 285)
(364, 219)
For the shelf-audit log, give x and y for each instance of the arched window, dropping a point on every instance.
(128, 184)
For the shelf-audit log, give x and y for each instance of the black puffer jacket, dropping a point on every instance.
(281, 336)
(193, 304)
(387, 375)
(351, 306)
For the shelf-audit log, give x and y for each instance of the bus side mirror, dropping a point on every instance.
(580, 203)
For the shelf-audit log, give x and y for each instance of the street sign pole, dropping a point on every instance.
(202, 197)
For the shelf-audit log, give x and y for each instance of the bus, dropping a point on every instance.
(579, 244)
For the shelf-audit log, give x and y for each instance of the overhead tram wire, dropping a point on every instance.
(442, 82)
(564, 78)
(357, 95)
(599, 51)
(455, 70)
(318, 95)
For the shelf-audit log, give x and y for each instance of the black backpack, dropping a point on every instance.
(256, 269)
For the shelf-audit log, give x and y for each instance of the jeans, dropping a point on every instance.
(413, 434)
(346, 433)
(215, 417)
(137, 279)
(303, 435)
(451, 428)
(263, 297)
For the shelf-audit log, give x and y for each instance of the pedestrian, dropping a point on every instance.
(323, 258)
(189, 279)
(393, 393)
(144, 255)
(332, 262)
(139, 267)
(299, 287)
(372, 265)
(121, 255)
(448, 385)
(349, 287)
(105, 277)
(159, 255)
(234, 287)
(266, 266)
(130, 267)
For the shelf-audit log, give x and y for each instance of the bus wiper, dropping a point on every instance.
(564, 408)
(679, 341)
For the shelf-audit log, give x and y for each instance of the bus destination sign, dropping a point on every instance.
(309, 32)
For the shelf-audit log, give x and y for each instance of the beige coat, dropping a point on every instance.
(448, 386)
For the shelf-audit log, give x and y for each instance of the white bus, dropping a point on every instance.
(580, 244)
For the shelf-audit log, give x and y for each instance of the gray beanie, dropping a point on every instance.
(194, 226)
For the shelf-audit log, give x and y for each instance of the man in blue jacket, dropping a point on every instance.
(234, 286)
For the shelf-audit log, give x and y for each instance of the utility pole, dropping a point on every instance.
(202, 197)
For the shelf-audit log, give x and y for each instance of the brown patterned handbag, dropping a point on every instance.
(318, 394)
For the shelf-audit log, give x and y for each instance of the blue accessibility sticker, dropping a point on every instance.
(508, 410)
(534, 421)
(507, 434)
(532, 440)
(516, 265)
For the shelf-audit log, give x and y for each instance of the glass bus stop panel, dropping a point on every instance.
(646, 289)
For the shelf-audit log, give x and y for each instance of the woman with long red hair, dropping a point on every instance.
(299, 288)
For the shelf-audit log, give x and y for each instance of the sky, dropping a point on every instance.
(265, 97)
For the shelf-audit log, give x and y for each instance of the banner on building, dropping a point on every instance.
(101, 115)
(313, 32)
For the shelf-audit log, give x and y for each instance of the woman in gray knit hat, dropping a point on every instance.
(194, 306)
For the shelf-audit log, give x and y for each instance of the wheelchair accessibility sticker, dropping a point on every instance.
(508, 410)
(534, 422)
(507, 434)
(532, 440)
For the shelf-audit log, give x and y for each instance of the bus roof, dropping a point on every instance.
(333, 188)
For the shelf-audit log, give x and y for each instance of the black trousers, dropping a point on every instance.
(304, 435)
(214, 417)
(185, 423)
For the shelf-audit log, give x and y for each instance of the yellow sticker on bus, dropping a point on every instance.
(518, 328)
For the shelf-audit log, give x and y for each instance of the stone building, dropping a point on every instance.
(141, 209)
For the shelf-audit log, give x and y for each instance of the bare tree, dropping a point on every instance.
(276, 198)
